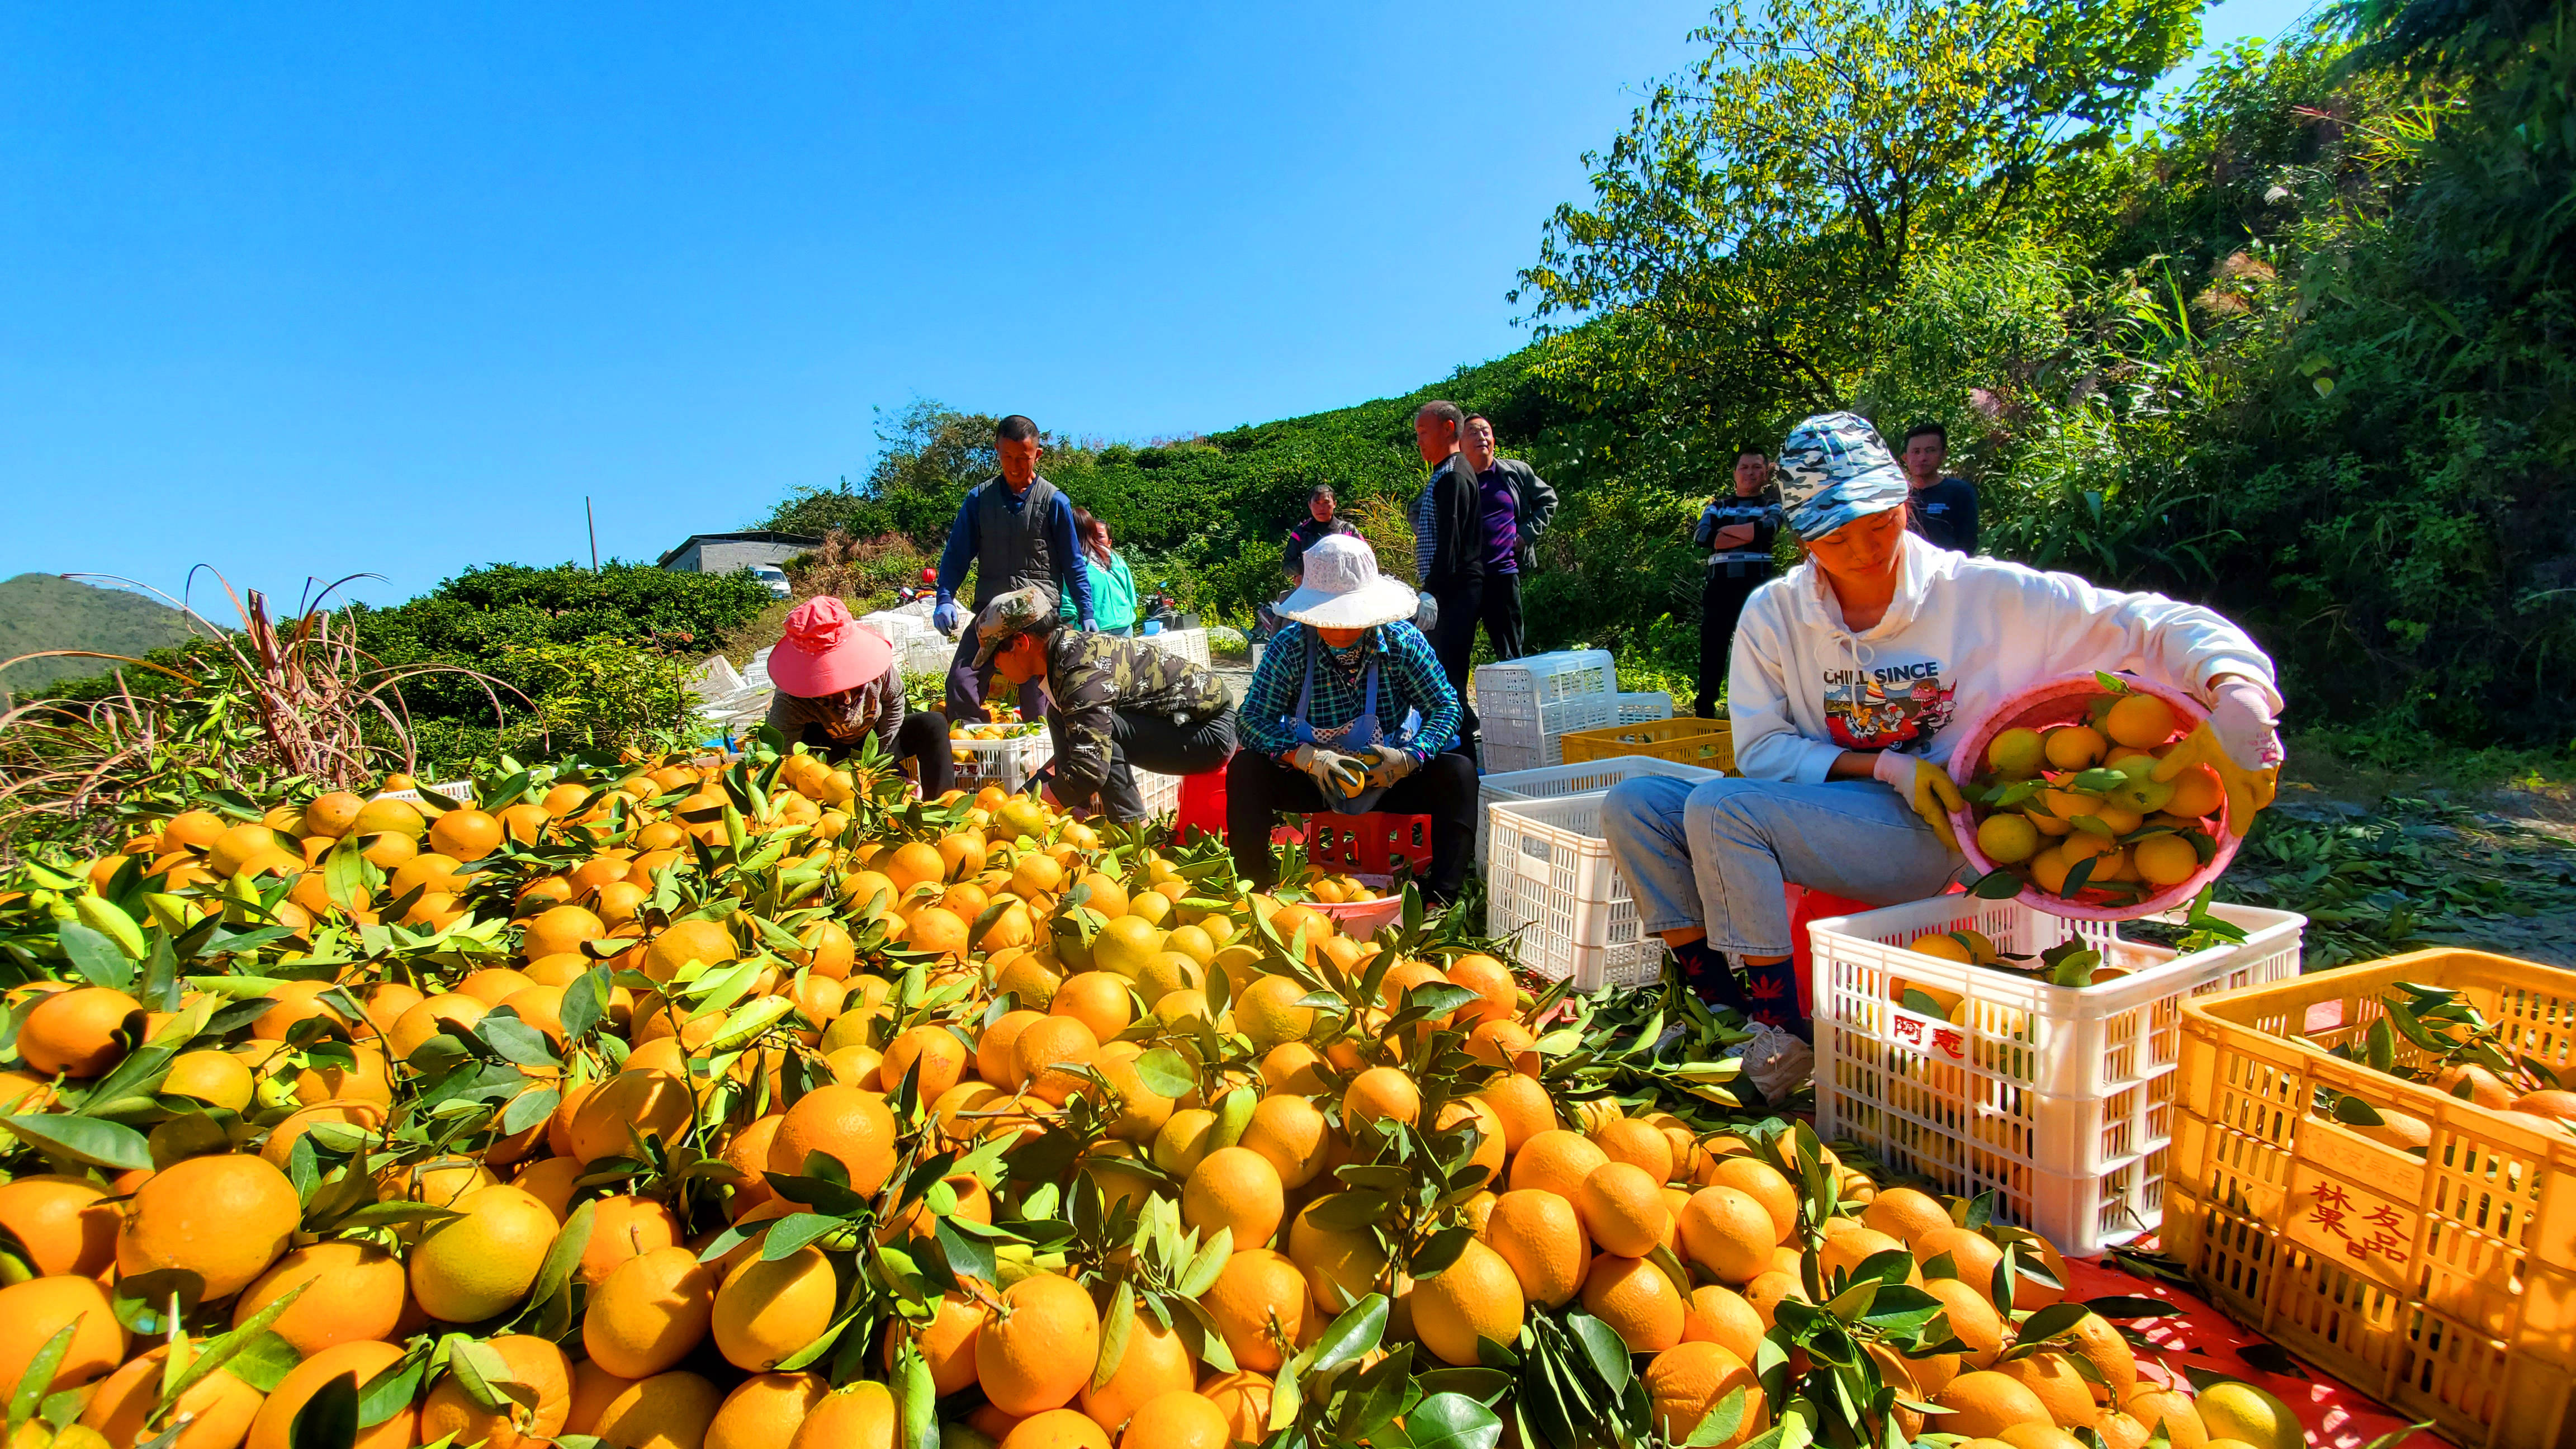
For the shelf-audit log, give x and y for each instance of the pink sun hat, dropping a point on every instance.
(826, 651)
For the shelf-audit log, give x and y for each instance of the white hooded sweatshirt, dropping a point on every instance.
(1961, 635)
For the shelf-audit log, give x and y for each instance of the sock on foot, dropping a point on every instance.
(1772, 987)
(1704, 971)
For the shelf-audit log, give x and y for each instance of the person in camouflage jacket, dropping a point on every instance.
(1117, 704)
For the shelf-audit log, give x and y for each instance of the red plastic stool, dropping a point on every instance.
(1200, 811)
(1806, 906)
(1369, 844)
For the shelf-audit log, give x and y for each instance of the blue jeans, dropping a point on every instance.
(1715, 853)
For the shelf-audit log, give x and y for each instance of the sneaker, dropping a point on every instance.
(1777, 1063)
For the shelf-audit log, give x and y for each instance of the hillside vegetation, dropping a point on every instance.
(2297, 345)
(48, 611)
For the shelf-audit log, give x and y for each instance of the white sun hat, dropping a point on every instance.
(1342, 589)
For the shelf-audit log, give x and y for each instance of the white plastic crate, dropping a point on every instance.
(926, 653)
(1501, 758)
(1574, 712)
(1521, 688)
(1549, 878)
(2057, 1099)
(1190, 644)
(1161, 793)
(453, 789)
(1639, 708)
(1007, 763)
(897, 629)
(1549, 782)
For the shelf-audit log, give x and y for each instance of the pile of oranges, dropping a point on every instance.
(2076, 810)
(748, 1102)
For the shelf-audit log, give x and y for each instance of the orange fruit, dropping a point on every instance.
(1097, 999)
(1628, 1140)
(269, 1427)
(1973, 1321)
(74, 1032)
(1727, 1232)
(218, 1407)
(1984, 1403)
(1846, 1250)
(1686, 1381)
(1341, 1267)
(1379, 1095)
(1636, 1300)
(947, 1344)
(34, 1311)
(1766, 1290)
(559, 930)
(620, 1228)
(852, 1126)
(1477, 1296)
(2172, 1412)
(649, 1312)
(1238, 1189)
(1623, 1209)
(941, 1055)
(1184, 1419)
(1522, 1106)
(1496, 997)
(1044, 1047)
(1056, 1429)
(937, 930)
(538, 1386)
(224, 1218)
(1243, 1398)
(1557, 1161)
(2053, 1377)
(667, 1411)
(765, 1410)
(466, 834)
(997, 1058)
(1290, 1133)
(1259, 1302)
(681, 942)
(767, 1309)
(1540, 1236)
(1906, 1214)
(1157, 1361)
(358, 1293)
(1719, 1315)
(1763, 1183)
(1972, 1254)
(861, 1415)
(1038, 1352)
(469, 1268)
(63, 1222)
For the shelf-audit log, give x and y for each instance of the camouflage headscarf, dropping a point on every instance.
(1013, 613)
(1834, 469)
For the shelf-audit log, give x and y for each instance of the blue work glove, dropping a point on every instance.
(1090, 625)
(948, 618)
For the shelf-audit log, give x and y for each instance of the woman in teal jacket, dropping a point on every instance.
(1113, 588)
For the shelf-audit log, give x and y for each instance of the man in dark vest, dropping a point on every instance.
(1014, 530)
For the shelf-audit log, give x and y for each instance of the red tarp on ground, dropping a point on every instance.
(2199, 1336)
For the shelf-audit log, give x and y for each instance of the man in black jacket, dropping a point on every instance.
(1514, 506)
(1449, 546)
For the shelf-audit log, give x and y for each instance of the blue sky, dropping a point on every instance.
(295, 289)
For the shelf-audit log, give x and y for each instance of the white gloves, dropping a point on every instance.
(1388, 764)
(1924, 787)
(1333, 772)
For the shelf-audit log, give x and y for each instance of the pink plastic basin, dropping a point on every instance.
(2067, 701)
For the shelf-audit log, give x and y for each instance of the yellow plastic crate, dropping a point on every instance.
(1686, 738)
(2444, 1284)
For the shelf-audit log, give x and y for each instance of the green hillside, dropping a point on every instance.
(48, 611)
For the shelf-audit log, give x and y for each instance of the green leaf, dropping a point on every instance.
(918, 1396)
(2128, 1306)
(1354, 1333)
(789, 1234)
(328, 1420)
(479, 1370)
(263, 1361)
(38, 1377)
(2356, 1112)
(1452, 1421)
(1115, 1327)
(554, 1275)
(1439, 1251)
(223, 1350)
(1165, 1073)
(84, 1139)
(95, 956)
(1720, 1423)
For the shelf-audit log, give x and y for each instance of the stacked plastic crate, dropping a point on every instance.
(1524, 706)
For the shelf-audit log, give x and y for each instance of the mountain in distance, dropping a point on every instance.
(48, 611)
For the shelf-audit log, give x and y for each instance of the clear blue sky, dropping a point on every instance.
(295, 289)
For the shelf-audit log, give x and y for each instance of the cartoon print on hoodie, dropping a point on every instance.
(1887, 706)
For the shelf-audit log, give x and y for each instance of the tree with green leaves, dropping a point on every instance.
(1752, 222)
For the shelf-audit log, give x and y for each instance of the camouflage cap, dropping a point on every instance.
(1834, 469)
(1013, 613)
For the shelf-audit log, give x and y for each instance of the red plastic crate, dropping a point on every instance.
(1369, 844)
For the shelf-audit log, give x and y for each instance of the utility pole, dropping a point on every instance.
(593, 520)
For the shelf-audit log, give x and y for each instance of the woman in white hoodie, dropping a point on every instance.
(1848, 675)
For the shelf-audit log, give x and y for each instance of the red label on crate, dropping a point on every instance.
(2349, 1225)
(1927, 1034)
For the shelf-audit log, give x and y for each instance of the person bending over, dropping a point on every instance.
(1116, 704)
(1848, 672)
(837, 684)
(1349, 710)
(1014, 530)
